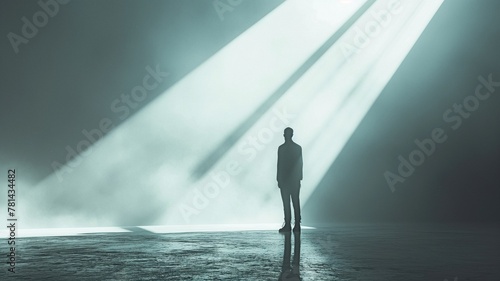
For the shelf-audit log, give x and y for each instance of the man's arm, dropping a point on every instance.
(301, 164)
(278, 166)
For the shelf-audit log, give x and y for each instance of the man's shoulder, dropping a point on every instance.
(288, 145)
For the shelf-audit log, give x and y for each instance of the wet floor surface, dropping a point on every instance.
(349, 252)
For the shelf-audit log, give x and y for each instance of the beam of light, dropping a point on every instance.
(230, 140)
(142, 168)
(328, 103)
(348, 94)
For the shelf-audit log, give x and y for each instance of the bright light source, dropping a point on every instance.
(141, 170)
(327, 104)
(143, 167)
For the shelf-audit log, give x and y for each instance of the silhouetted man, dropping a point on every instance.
(289, 175)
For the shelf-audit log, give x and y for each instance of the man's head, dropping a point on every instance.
(288, 133)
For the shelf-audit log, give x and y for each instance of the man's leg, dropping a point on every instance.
(285, 197)
(295, 193)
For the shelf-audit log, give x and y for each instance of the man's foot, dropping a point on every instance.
(296, 228)
(286, 228)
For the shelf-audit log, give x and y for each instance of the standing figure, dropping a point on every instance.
(289, 175)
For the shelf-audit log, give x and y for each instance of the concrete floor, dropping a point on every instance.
(343, 252)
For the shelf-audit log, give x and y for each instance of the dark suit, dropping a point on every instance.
(289, 176)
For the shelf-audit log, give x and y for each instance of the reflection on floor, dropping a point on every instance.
(341, 252)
